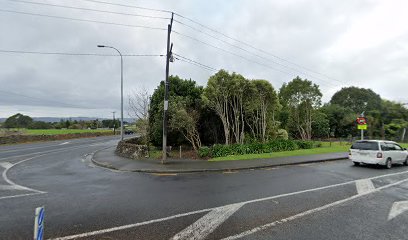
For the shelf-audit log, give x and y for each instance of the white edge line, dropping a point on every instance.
(288, 219)
(97, 232)
(22, 195)
(130, 225)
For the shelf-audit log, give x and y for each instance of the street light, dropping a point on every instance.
(121, 88)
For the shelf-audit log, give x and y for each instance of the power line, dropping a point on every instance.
(129, 6)
(238, 55)
(232, 53)
(255, 48)
(81, 20)
(89, 9)
(80, 54)
(184, 59)
(252, 53)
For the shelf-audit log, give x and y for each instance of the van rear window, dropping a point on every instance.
(365, 146)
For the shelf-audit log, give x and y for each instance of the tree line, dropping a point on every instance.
(233, 109)
(23, 121)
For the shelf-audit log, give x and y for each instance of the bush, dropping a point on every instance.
(305, 144)
(278, 145)
(204, 152)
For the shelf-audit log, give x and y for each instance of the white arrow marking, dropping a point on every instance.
(63, 143)
(364, 186)
(207, 224)
(398, 208)
(5, 165)
(9, 187)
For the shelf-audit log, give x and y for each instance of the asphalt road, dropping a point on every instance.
(333, 200)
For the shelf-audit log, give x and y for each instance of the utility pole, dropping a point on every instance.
(114, 124)
(166, 89)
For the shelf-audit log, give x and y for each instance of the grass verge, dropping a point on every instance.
(325, 148)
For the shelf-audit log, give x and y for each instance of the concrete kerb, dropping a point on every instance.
(161, 171)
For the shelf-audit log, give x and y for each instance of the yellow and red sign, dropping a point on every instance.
(362, 123)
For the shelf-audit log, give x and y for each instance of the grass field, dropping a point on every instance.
(325, 148)
(60, 131)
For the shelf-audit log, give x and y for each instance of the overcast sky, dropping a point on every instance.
(333, 43)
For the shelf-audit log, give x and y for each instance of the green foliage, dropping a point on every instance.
(18, 121)
(40, 125)
(341, 120)
(190, 94)
(282, 134)
(301, 98)
(219, 150)
(357, 99)
(320, 125)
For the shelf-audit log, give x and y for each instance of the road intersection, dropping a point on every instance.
(331, 200)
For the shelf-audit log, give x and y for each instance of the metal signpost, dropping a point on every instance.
(39, 223)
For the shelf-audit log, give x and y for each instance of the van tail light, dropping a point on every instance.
(379, 155)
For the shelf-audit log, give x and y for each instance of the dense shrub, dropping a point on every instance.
(278, 145)
(204, 152)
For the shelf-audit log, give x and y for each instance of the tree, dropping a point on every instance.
(18, 121)
(261, 106)
(139, 104)
(320, 125)
(357, 99)
(341, 120)
(191, 94)
(217, 95)
(301, 97)
(185, 121)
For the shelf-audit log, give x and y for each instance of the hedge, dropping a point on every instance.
(219, 150)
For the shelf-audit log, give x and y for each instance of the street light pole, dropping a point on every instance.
(121, 88)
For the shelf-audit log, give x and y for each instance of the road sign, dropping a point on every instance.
(39, 223)
(362, 127)
(362, 121)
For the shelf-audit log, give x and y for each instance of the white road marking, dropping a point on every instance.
(108, 230)
(364, 186)
(398, 208)
(64, 143)
(90, 144)
(311, 211)
(6, 165)
(20, 195)
(208, 223)
(4, 175)
(8, 187)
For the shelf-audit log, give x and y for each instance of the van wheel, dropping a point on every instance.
(388, 163)
(356, 163)
(406, 161)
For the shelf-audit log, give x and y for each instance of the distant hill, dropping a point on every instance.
(56, 119)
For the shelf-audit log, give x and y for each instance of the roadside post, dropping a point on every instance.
(39, 223)
(362, 124)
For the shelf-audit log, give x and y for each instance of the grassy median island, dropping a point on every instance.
(320, 148)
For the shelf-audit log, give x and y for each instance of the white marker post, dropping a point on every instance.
(39, 223)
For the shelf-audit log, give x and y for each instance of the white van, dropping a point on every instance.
(378, 152)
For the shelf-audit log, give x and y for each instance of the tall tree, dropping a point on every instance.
(185, 88)
(261, 107)
(357, 99)
(18, 121)
(185, 120)
(217, 96)
(139, 103)
(301, 97)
